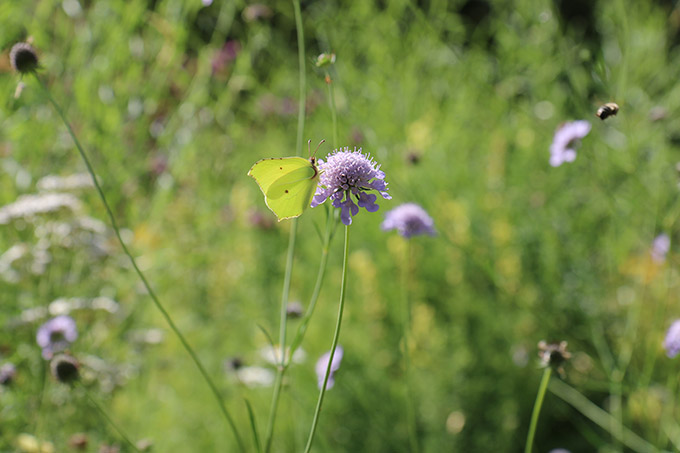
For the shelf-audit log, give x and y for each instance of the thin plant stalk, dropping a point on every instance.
(410, 409)
(600, 417)
(282, 336)
(537, 409)
(269, 432)
(334, 114)
(331, 223)
(334, 345)
(152, 294)
(106, 416)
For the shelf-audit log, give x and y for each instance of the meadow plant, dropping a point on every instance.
(566, 140)
(672, 341)
(56, 335)
(64, 368)
(322, 366)
(409, 219)
(460, 124)
(350, 174)
(660, 247)
(25, 61)
(553, 356)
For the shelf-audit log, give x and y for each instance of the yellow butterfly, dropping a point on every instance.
(288, 183)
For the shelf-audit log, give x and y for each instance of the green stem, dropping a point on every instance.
(282, 336)
(303, 77)
(151, 292)
(103, 413)
(331, 222)
(537, 409)
(334, 345)
(334, 114)
(269, 433)
(410, 409)
(600, 417)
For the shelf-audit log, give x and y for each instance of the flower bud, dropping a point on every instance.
(23, 58)
(325, 59)
(64, 368)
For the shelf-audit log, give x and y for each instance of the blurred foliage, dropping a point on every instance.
(174, 101)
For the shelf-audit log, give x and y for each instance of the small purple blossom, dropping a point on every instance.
(347, 174)
(56, 335)
(672, 342)
(567, 137)
(409, 219)
(660, 248)
(322, 366)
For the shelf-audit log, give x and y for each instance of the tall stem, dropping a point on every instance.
(269, 433)
(334, 114)
(152, 294)
(334, 345)
(410, 409)
(280, 369)
(537, 409)
(106, 416)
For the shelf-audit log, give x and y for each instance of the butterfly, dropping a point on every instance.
(288, 183)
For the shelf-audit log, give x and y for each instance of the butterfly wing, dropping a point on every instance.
(267, 171)
(290, 195)
(288, 184)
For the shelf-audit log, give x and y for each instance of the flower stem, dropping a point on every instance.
(269, 433)
(331, 223)
(280, 369)
(151, 292)
(334, 345)
(303, 76)
(410, 409)
(103, 413)
(334, 114)
(537, 409)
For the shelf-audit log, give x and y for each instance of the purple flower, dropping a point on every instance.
(566, 138)
(347, 174)
(56, 335)
(322, 366)
(409, 219)
(660, 247)
(672, 342)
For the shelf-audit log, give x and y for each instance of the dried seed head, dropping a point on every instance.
(554, 354)
(23, 58)
(64, 368)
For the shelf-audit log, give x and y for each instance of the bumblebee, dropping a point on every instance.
(607, 110)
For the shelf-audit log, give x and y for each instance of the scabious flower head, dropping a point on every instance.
(23, 57)
(567, 137)
(660, 248)
(672, 342)
(346, 175)
(322, 366)
(56, 335)
(409, 219)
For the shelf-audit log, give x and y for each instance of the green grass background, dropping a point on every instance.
(525, 252)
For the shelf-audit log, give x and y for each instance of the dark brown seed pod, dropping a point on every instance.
(607, 110)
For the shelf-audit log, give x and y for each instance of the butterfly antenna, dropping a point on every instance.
(319, 145)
